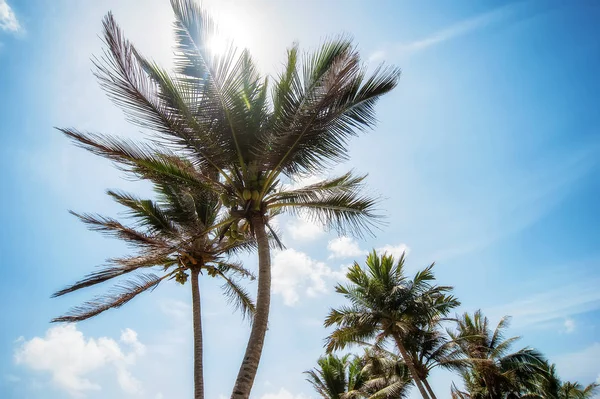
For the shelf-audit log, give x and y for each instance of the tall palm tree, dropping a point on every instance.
(386, 305)
(493, 372)
(218, 111)
(174, 234)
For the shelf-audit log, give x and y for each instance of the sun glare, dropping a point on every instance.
(217, 45)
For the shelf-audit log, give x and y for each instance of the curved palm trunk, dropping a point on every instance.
(411, 367)
(197, 321)
(249, 367)
(429, 390)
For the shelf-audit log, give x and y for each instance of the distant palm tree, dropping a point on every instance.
(223, 115)
(375, 375)
(386, 305)
(430, 347)
(174, 235)
(338, 377)
(549, 386)
(388, 375)
(492, 372)
(574, 390)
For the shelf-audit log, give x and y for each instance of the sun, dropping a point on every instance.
(217, 45)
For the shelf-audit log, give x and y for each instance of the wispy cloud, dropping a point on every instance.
(582, 365)
(552, 306)
(459, 29)
(8, 19)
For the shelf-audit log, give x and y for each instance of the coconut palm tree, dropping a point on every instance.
(574, 390)
(430, 347)
(338, 377)
(549, 386)
(493, 372)
(386, 305)
(388, 375)
(174, 234)
(375, 375)
(219, 112)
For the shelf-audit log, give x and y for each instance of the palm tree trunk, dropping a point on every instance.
(411, 367)
(431, 394)
(249, 367)
(197, 321)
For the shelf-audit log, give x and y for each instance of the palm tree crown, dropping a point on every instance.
(375, 375)
(386, 305)
(173, 235)
(492, 371)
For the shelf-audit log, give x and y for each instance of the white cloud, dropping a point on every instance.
(304, 230)
(69, 357)
(284, 394)
(304, 181)
(8, 19)
(295, 273)
(344, 247)
(395, 250)
(569, 325)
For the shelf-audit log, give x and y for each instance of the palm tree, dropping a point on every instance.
(492, 371)
(386, 305)
(338, 377)
(388, 375)
(375, 375)
(429, 348)
(574, 390)
(175, 235)
(549, 386)
(219, 112)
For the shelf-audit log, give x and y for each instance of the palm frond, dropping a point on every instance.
(121, 266)
(114, 228)
(146, 212)
(349, 213)
(236, 269)
(115, 298)
(316, 112)
(238, 297)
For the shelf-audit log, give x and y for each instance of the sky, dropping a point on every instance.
(486, 155)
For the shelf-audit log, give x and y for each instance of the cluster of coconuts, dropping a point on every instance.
(237, 230)
(212, 271)
(181, 277)
(250, 194)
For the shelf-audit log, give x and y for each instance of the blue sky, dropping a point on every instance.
(487, 154)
